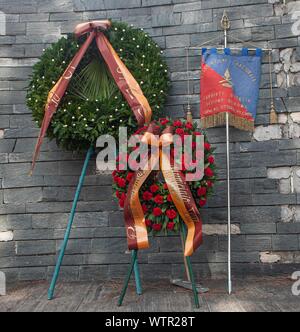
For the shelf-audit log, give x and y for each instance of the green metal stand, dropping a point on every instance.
(68, 232)
(70, 223)
(190, 269)
(132, 267)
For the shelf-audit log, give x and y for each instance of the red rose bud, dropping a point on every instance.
(157, 227)
(164, 121)
(121, 183)
(170, 226)
(121, 203)
(166, 186)
(179, 131)
(211, 159)
(123, 197)
(147, 196)
(202, 191)
(148, 223)
(202, 202)
(177, 123)
(145, 208)
(207, 146)
(209, 184)
(157, 212)
(189, 126)
(169, 199)
(129, 176)
(158, 199)
(197, 133)
(154, 188)
(208, 172)
(171, 214)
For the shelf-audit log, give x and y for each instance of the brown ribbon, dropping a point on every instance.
(122, 76)
(182, 197)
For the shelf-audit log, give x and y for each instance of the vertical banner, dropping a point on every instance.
(230, 83)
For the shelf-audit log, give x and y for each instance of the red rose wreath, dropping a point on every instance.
(159, 209)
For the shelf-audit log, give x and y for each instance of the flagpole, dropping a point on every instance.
(226, 25)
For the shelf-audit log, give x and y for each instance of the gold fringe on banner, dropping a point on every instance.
(219, 119)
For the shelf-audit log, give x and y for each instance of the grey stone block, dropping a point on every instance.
(15, 222)
(150, 3)
(7, 145)
(164, 16)
(288, 228)
(27, 248)
(285, 242)
(23, 195)
(194, 17)
(102, 246)
(258, 228)
(93, 272)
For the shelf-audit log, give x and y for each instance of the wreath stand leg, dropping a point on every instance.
(131, 268)
(190, 272)
(137, 276)
(70, 223)
(69, 228)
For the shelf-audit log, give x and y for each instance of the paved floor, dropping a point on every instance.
(264, 294)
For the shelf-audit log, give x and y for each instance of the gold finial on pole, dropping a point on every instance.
(225, 22)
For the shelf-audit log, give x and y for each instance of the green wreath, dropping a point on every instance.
(93, 104)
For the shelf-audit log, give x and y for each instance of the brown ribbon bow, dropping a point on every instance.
(122, 76)
(182, 197)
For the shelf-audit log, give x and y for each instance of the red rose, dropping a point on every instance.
(179, 131)
(157, 212)
(114, 173)
(201, 191)
(118, 194)
(208, 172)
(123, 196)
(158, 199)
(171, 214)
(211, 159)
(121, 183)
(209, 184)
(121, 203)
(177, 123)
(147, 196)
(170, 226)
(157, 227)
(154, 188)
(164, 121)
(148, 223)
(197, 133)
(169, 198)
(207, 146)
(145, 208)
(202, 202)
(116, 179)
(129, 176)
(166, 186)
(189, 125)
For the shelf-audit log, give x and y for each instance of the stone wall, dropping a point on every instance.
(265, 165)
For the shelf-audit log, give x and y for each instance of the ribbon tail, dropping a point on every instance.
(137, 234)
(56, 94)
(185, 204)
(125, 81)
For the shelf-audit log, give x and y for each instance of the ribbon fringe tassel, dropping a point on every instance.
(220, 120)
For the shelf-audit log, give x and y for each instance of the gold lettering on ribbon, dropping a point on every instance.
(69, 73)
(55, 99)
(131, 234)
